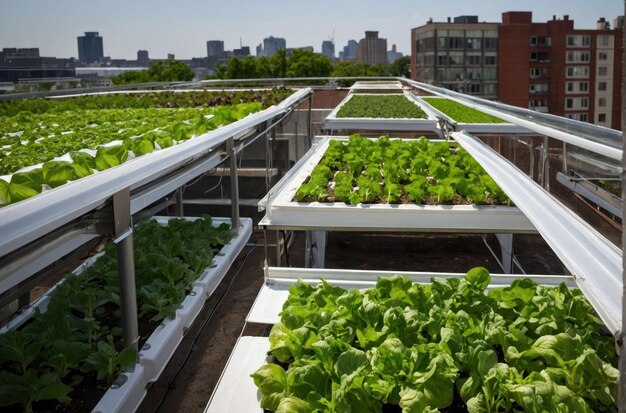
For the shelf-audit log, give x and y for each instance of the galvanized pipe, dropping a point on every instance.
(234, 184)
(128, 296)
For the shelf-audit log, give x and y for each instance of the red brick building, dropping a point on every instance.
(549, 67)
(552, 67)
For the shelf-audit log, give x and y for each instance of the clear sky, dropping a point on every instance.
(183, 26)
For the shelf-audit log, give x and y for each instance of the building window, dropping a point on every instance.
(577, 71)
(473, 60)
(538, 72)
(490, 74)
(584, 102)
(602, 117)
(489, 89)
(583, 87)
(473, 74)
(569, 103)
(533, 40)
(602, 102)
(442, 59)
(582, 117)
(603, 56)
(473, 43)
(538, 88)
(570, 86)
(455, 42)
(533, 56)
(441, 42)
(603, 40)
(474, 88)
(491, 43)
(577, 56)
(602, 86)
(455, 58)
(602, 70)
(490, 60)
(578, 40)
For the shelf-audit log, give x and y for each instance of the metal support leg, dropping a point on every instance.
(126, 267)
(308, 122)
(128, 295)
(234, 184)
(315, 249)
(506, 248)
(545, 163)
(23, 300)
(279, 245)
(178, 207)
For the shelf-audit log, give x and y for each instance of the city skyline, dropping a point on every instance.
(158, 26)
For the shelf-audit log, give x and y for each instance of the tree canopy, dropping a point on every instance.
(172, 72)
(304, 63)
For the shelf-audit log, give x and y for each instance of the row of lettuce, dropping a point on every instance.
(401, 107)
(393, 171)
(47, 143)
(75, 346)
(441, 347)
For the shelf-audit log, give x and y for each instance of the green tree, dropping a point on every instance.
(401, 67)
(158, 72)
(304, 63)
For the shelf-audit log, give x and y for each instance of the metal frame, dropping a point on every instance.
(332, 122)
(103, 204)
(598, 139)
(593, 260)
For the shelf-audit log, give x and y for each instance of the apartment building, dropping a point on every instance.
(549, 67)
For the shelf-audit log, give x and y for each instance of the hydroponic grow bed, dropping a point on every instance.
(471, 120)
(236, 389)
(128, 390)
(426, 124)
(282, 212)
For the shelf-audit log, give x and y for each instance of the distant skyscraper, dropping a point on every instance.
(328, 49)
(214, 52)
(393, 54)
(242, 52)
(372, 49)
(215, 48)
(90, 47)
(143, 59)
(349, 51)
(259, 50)
(273, 44)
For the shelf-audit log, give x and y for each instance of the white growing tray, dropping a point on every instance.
(332, 122)
(235, 390)
(283, 213)
(129, 389)
(377, 87)
(480, 128)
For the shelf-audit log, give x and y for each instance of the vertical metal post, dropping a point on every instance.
(234, 184)
(279, 240)
(545, 164)
(178, 207)
(296, 139)
(268, 160)
(126, 267)
(309, 127)
(564, 158)
(622, 338)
